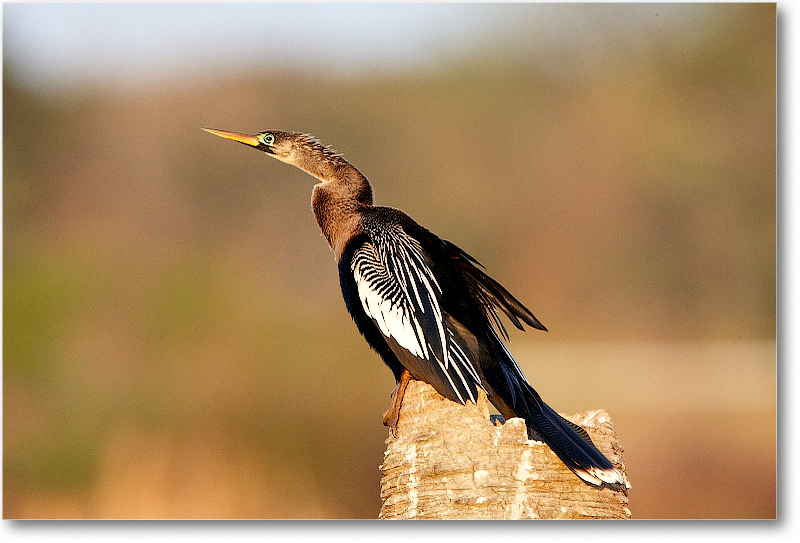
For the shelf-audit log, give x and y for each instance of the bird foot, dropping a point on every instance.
(392, 415)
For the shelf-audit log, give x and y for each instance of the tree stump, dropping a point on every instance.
(450, 462)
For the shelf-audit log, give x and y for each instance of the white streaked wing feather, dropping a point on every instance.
(402, 258)
(386, 308)
(394, 286)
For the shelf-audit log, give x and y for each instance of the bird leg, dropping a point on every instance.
(392, 415)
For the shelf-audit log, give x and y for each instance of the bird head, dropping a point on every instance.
(300, 150)
(276, 143)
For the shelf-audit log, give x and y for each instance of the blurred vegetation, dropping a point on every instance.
(172, 321)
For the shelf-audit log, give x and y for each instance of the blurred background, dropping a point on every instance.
(174, 340)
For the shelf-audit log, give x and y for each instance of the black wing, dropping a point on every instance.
(492, 294)
(401, 295)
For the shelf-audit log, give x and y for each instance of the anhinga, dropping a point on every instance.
(425, 305)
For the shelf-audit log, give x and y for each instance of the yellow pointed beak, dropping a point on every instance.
(235, 136)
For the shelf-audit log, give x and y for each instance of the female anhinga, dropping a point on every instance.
(424, 304)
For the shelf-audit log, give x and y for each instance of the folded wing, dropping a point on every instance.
(400, 293)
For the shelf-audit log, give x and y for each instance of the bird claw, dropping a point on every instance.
(390, 418)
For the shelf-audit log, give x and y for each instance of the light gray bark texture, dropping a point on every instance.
(450, 462)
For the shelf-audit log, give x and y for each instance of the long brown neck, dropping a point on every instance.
(338, 205)
(341, 196)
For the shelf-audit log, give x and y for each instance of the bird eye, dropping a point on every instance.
(268, 139)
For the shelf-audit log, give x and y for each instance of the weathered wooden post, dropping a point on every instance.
(450, 462)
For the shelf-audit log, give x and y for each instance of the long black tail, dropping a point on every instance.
(569, 441)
